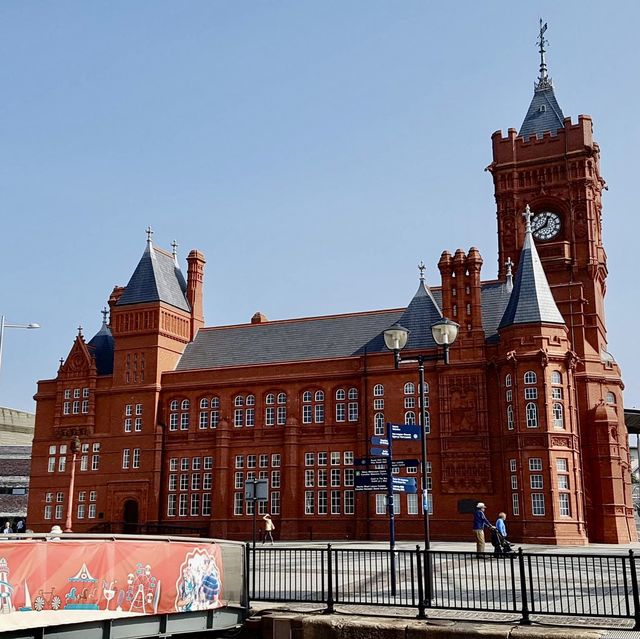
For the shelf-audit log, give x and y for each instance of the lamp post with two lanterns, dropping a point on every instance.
(444, 333)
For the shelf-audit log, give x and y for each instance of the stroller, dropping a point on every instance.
(500, 544)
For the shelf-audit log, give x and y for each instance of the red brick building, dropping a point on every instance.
(528, 417)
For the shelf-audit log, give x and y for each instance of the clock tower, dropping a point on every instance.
(553, 166)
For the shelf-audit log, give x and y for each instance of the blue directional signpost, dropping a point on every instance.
(375, 474)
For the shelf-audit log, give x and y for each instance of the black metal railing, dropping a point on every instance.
(523, 584)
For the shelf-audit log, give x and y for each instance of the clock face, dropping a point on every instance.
(545, 225)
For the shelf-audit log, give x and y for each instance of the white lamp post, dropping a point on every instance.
(4, 324)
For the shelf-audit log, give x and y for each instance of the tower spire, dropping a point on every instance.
(544, 81)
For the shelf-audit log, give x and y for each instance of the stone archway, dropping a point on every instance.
(130, 516)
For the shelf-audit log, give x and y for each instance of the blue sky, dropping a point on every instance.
(314, 151)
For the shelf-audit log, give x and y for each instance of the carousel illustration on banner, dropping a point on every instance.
(133, 577)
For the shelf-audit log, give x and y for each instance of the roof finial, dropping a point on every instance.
(421, 268)
(527, 215)
(509, 265)
(149, 233)
(174, 249)
(544, 82)
(509, 277)
(104, 312)
(80, 331)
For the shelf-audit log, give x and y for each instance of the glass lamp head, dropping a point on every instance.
(444, 332)
(395, 337)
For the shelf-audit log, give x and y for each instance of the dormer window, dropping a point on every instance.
(543, 108)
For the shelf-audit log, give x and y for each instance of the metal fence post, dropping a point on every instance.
(245, 577)
(421, 612)
(525, 620)
(329, 610)
(634, 587)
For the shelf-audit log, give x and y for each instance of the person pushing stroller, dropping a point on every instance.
(499, 537)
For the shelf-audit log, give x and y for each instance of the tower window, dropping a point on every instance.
(530, 377)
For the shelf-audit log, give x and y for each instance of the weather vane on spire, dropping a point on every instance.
(174, 249)
(544, 82)
(149, 233)
(104, 312)
(421, 268)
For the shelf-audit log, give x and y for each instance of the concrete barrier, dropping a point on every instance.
(291, 626)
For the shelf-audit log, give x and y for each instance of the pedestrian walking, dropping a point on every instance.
(480, 522)
(269, 527)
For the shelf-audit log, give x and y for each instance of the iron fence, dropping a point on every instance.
(524, 584)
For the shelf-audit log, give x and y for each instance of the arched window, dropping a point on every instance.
(378, 390)
(530, 377)
(214, 417)
(556, 377)
(558, 415)
(319, 396)
(238, 400)
(185, 404)
(532, 415)
(409, 388)
(611, 398)
(307, 409)
(409, 417)
(281, 415)
(173, 405)
(270, 399)
(507, 380)
(353, 393)
(251, 400)
(341, 407)
(510, 422)
(427, 422)
(340, 394)
(378, 424)
(426, 388)
(352, 407)
(204, 402)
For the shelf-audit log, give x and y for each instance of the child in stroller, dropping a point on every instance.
(499, 537)
(500, 544)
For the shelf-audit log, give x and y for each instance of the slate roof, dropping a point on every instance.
(531, 301)
(544, 113)
(288, 340)
(157, 278)
(101, 347)
(331, 336)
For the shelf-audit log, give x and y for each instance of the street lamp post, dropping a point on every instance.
(444, 333)
(75, 449)
(4, 324)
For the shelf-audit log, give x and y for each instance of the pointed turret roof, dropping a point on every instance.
(422, 312)
(157, 278)
(531, 300)
(544, 112)
(101, 346)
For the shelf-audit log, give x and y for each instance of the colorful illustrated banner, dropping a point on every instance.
(144, 577)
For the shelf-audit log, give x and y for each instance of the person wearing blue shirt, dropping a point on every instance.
(500, 525)
(480, 522)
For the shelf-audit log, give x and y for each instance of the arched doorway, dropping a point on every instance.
(130, 517)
